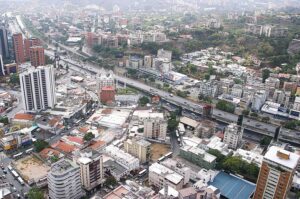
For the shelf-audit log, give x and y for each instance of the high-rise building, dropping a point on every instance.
(139, 148)
(91, 169)
(2, 70)
(276, 174)
(30, 43)
(38, 88)
(105, 79)
(64, 180)
(233, 136)
(4, 43)
(155, 127)
(37, 56)
(107, 94)
(18, 48)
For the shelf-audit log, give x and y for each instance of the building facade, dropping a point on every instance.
(4, 51)
(233, 136)
(155, 128)
(64, 180)
(38, 88)
(107, 94)
(18, 48)
(28, 43)
(138, 148)
(276, 174)
(37, 56)
(91, 169)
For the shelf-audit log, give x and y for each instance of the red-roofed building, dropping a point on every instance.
(48, 153)
(23, 119)
(107, 94)
(73, 140)
(64, 147)
(98, 145)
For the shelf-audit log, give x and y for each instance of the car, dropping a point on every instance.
(18, 196)
(3, 176)
(14, 189)
(4, 171)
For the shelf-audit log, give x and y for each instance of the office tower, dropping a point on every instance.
(18, 48)
(64, 180)
(30, 43)
(233, 136)
(139, 148)
(276, 174)
(38, 88)
(2, 71)
(4, 43)
(91, 169)
(37, 56)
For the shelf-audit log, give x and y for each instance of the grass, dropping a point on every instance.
(127, 91)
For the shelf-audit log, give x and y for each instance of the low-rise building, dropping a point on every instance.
(233, 136)
(198, 156)
(178, 168)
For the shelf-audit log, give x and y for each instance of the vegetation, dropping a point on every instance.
(225, 106)
(14, 79)
(183, 94)
(39, 145)
(4, 120)
(143, 101)
(54, 159)
(89, 136)
(153, 47)
(265, 141)
(108, 52)
(110, 181)
(294, 124)
(265, 75)
(236, 165)
(172, 122)
(35, 193)
(245, 112)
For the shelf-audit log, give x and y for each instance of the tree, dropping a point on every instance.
(245, 112)
(54, 159)
(265, 119)
(265, 75)
(253, 114)
(152, 79)
(110, 181)
(4, 120)
(265, 141)
(35, 193)
(89, 136)
(143, 101)
(14, 79)
(225, 106)
(40, 145)
(172, 122)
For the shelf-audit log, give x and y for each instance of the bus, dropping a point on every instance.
(169, 155)
(142, 173)
(29, 150)
(18, 155)
(21, 181)
(161, 159)
(15, 174)
(9, 167)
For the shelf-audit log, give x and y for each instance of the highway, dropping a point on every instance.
(94, 70)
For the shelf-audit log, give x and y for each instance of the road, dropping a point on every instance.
(9, 178)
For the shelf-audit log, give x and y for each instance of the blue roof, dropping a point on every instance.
(233, 187)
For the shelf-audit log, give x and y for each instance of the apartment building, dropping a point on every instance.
(37, 56)
(155, 127)
(139, 148)
(233, 136)
(18, 48)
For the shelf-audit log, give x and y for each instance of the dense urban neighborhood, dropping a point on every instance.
(161, 99)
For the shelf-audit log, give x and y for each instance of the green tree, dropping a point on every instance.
(172, 122)
(39, 145)
(152, 79)
(143, 101)
(225, 106)
(265, 141)
(265, 119)
(89, 136)
(54, 159)
(245, 112)
(4, 120)
(14, 79)
(35, 193)
(110, 181)
(265, 75)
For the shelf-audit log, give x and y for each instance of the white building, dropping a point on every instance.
(296, 105)
(64, 180)
(148, 61)
(282, 97)
(2, 70)
(38, 88)
(160, 175)
(91, 169)
(237, 90)
(125, 159)
(208, 89)
(258, 100)
(249, 156)
(178, 168)
(155, 127)
(161, 53)
(105, 79)
(233, 136)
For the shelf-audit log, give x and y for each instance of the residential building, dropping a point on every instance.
(237, 90)
(18, 48)
(276, 173)
(64, 180)
(37, 56)
(11, 68)
(258, 100)
(155, 127)
(91, 169)
(160, 176)
(2, 69)
(139, 148)
(233, 136)
(148, 61)
(208, 89)
(296, 105)
(107, 94)
(38, 88)
(123, 158)
(4, 51)
(282, 97)
(28, 43)
(272, 82)
(198, 156)
(184, 171)
(105, 79)
(161, 53)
